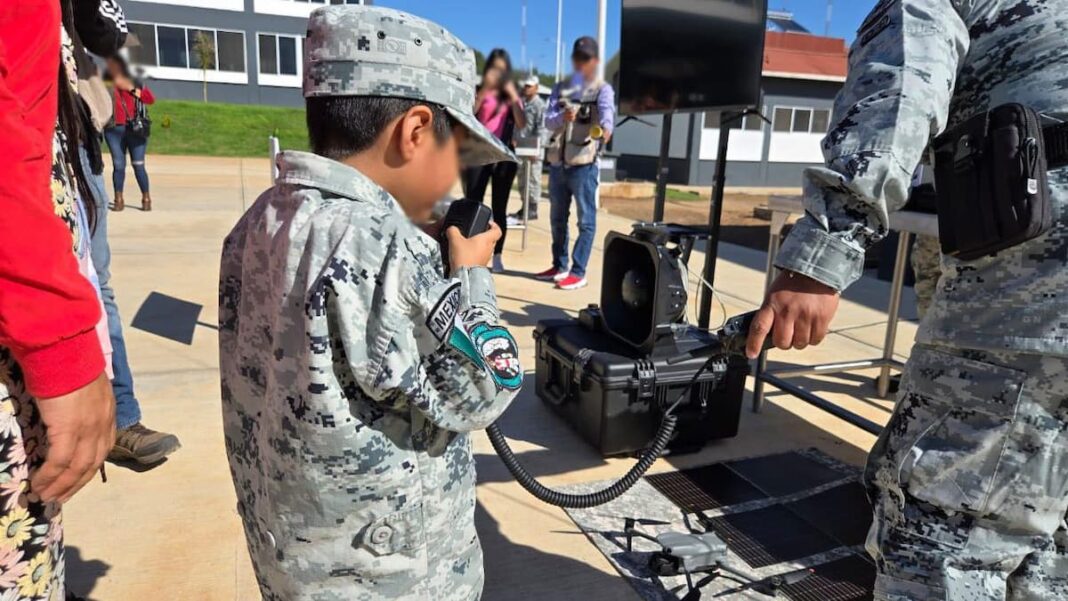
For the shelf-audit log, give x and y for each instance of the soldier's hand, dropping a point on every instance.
(570, 114)
(475, 251)
(81, 431)
(796, 313)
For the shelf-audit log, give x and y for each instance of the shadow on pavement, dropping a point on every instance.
(532, 313)
(544, 575)
(169, 317)
(83, 574)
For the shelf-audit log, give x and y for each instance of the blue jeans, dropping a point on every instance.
(127, 409)
(581, 183)
(119, 144)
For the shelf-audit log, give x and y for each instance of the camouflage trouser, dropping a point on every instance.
(530, 186)
(927, 266)
(969, 480)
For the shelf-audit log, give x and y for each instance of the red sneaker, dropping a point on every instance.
(551, 275)
(572, 282)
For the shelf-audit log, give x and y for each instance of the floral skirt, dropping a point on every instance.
(31, 532)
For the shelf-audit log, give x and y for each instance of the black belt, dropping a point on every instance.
(1056, 145)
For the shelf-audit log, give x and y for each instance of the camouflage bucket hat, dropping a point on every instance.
(358, 50)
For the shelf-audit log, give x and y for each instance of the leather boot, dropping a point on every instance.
(120, 204)
(146, 202)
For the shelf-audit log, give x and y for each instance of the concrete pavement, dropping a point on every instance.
(172, 532)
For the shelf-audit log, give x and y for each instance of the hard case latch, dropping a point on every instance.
(578, 366)
(645, 372)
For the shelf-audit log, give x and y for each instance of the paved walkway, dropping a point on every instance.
(172, 532)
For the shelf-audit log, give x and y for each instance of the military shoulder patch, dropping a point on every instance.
(500, 353)
(442, 317)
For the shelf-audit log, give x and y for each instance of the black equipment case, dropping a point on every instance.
(615, 397)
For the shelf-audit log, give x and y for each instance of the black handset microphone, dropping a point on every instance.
(470, 216)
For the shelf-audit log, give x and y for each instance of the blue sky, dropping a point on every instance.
(486, 24)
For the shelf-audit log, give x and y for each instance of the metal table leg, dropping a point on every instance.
(896, 287)
(778, 222)
(527, 166)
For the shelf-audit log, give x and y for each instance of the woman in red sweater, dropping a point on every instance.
(125, 93)
(56, 406)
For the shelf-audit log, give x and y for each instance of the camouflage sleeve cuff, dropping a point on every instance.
(812, 252)
(477, 290)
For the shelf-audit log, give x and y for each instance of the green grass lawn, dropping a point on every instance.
(676, 194)
(225, 130)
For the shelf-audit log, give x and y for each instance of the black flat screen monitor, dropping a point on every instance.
(691, 55)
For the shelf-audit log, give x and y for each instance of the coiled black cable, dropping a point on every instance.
(571, 501)
(584, 501)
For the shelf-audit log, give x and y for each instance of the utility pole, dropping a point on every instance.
(523, 38)
(602, 34)
(559, 37)
(830, 13)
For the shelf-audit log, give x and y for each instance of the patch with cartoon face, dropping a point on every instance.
(500, 353)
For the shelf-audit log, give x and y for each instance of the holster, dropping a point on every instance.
(992, 183)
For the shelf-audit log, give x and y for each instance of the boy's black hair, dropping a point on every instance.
(341, 126)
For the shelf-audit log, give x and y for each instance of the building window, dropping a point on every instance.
(748, 123)
(821, 121)
(801, 120)
(278, 54)
(145, 52)
(231, 51)
(172, 47)
(176, 46)
(207, 36)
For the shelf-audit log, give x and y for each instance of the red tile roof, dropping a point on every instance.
(804, 56)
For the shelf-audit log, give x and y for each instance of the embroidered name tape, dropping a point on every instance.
(442, 317)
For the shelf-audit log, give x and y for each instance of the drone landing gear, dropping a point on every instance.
(702, 553)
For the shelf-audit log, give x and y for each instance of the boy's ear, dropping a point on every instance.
(416, 130)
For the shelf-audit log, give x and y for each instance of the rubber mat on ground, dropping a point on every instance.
(780, 515)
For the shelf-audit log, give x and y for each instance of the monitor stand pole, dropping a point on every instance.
(662, 170)
(714, 215)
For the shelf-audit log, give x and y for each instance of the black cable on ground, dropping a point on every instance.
(584, 501)
(553, 497)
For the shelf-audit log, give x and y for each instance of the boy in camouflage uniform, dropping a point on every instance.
(352, 369)
(968, 480)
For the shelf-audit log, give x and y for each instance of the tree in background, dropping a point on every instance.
(480, 62)
(544, 78)
(204, 53)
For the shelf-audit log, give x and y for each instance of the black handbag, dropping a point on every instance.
(138, 126)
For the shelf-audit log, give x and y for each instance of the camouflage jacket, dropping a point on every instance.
(916, 68)
(351, 372)
(534, 133)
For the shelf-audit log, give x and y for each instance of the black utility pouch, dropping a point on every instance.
(993, 192)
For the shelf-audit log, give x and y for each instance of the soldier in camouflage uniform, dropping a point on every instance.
(968, 480)
(531, 136)
(352, 369)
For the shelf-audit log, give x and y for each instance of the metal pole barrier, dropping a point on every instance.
(528, 166)
(559, 37)
(662, 169)
(602, 38)
(273, 150)
(714, 215)
(778, 222)
(904, 238)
